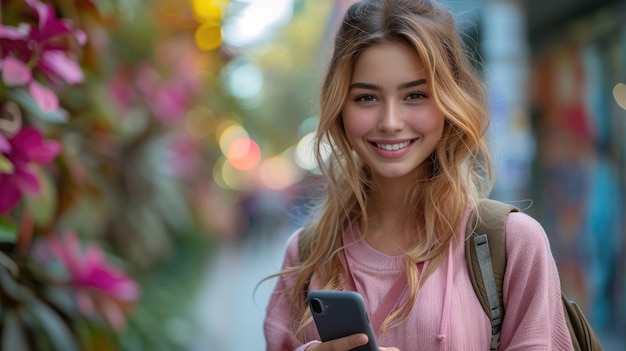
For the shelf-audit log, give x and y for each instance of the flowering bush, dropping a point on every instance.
(96, 284)
(36, 56)
(95, 167)
(21, 153)
(38, 60)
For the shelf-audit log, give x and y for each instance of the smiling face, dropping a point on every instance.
(390, 117)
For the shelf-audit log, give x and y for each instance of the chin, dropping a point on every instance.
(392, 174)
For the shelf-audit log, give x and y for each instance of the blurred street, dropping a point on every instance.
(229, 309)
(155, 157)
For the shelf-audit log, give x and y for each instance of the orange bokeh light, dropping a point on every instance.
(244, 154)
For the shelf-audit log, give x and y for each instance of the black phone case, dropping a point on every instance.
(343, 314)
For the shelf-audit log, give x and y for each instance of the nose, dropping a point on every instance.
(391, 119)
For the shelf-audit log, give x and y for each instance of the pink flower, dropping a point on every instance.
(5, 147)
(99, 285)
(43, 44)
(15, 72)
(47, 100)
(58, 63)
(25, 149)
(41, 48)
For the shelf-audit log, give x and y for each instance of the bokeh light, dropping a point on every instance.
(279, 172)
(218, 176)
(209, 10)
(209, 14)
(256, 21)
(233, 178)
(619, 94)
(229, 131)
(304, 155)
(308, 125)
(208, 36)
(244, 154)
(244, 80)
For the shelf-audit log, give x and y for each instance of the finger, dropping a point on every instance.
(347, 343)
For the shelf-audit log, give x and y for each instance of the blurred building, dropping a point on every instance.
(578, 61)
(556, 71)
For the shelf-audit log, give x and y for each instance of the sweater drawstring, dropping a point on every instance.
(445, 313)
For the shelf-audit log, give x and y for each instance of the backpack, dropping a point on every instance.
(486, 258)
(485, 254)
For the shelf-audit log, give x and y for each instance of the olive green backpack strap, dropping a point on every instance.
(485, 252)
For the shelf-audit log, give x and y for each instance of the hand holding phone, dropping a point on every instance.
(339, 314)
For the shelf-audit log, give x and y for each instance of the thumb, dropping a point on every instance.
(349, 342)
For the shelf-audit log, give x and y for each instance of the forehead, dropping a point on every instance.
(390, 62)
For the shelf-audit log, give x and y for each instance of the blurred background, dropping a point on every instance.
(155, 156)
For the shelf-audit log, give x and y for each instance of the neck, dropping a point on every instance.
(390, 223)
(388, 197)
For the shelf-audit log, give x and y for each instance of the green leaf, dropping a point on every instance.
(62, 298)
(8, 231)
(6, 166)
(58, 332)
(8, 285)
(26, 101)
(42, 205)
(13, 337)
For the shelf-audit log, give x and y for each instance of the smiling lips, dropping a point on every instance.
(392, 150)
(393, 147)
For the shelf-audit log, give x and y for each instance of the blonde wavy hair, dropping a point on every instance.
(459, 168)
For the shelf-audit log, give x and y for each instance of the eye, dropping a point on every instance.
(416, 96)
(365, 98)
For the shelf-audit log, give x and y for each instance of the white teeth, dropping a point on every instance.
(393, 147)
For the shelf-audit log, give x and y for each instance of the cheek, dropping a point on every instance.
(355, 125)
(430, 122)
(439, 125)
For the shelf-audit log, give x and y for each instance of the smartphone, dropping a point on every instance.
(341, 313)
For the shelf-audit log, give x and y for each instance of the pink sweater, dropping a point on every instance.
(447, 315)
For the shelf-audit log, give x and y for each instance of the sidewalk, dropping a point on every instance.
(229, 309)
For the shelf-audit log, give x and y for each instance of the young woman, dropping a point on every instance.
(405, 115)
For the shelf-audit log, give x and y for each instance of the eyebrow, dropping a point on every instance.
(379, 88)
(412, 84)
